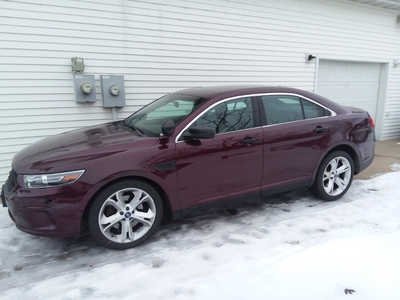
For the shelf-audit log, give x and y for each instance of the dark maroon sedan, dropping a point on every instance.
(186, 151)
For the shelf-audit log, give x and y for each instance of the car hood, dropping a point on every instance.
(74, 147)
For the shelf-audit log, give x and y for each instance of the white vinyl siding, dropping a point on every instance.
(163, 46)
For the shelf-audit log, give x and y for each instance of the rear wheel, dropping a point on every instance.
(334, 176)
(125, 214)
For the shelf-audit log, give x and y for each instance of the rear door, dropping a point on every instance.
(296, 133)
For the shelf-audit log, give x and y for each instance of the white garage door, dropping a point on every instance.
(351, 84)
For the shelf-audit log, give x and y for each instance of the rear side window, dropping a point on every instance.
(312, 110)
(284, 108)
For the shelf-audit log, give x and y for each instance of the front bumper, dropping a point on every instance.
(53, 212)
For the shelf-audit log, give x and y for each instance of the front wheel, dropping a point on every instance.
(334, 176)
(125, 214)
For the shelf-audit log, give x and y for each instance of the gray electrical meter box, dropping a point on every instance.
(112, 90)
(85, 88)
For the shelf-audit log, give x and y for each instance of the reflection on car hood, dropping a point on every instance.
(73, 147)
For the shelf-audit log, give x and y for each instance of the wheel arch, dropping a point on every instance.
(350, 150)
(167, 210)
(343, 147)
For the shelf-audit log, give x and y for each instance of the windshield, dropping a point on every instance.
(175, 107)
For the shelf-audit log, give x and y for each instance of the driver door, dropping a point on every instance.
(230, 164)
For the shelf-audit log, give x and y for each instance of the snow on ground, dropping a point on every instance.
(395, 167)
(287, 247)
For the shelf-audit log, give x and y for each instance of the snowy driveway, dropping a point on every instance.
(289, 247)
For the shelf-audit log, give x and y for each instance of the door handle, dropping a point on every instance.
(249, 141)
(320, 129)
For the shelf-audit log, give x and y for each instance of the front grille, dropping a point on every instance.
(11, 182)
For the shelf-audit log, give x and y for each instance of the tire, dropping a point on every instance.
(334, 176)
(125, 214)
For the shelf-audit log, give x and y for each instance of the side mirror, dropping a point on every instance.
(168, 128)
(199, 132)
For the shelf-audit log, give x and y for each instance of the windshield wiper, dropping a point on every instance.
(131, 126)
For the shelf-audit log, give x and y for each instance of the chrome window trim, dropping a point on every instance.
(254, 95)
(271, 125)
(211, 107)
(333, 113)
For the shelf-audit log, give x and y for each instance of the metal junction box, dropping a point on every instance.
(113, 90)
(85, 88)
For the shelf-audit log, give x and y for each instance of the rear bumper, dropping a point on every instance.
(3, 198)
(367, 149)
(366, 164)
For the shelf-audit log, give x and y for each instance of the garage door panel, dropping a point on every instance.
(348, 83)
(366, 92)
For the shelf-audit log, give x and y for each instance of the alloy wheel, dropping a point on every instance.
(337, 176)
(127, 215)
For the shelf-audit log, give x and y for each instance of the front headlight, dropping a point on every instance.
(50, 180)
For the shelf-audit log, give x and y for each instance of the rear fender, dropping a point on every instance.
(349, 147)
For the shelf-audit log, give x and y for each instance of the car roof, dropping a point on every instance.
(210, 92)
(227, 91)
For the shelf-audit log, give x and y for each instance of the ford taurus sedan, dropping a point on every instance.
(186, 151)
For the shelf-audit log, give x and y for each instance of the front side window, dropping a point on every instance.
(229, 116)
(175, 107)
(284, 108)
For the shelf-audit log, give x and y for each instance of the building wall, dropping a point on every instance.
(161, 46)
